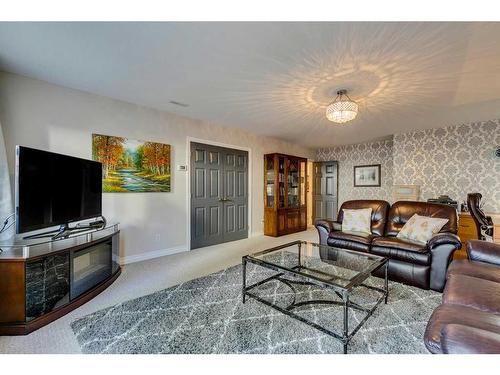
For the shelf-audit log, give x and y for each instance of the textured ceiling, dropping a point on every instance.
(275, 78)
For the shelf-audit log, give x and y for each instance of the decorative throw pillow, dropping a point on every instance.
(421, 228)
(357, 220)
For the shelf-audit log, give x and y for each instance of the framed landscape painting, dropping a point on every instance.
(367, 175)
(131, 166)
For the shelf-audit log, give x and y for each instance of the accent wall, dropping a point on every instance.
(379, 152)
(453, 160)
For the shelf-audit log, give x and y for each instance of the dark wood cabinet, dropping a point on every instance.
(285, 202)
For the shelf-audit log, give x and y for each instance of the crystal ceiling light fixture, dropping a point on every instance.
(342, 109)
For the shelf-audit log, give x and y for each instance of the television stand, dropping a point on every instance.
(43, 279)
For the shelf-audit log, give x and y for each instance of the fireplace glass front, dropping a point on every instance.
(89, 267)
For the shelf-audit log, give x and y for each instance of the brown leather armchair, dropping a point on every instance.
(468, 320)
(484, 224)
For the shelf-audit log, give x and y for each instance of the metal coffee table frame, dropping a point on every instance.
(343, 292)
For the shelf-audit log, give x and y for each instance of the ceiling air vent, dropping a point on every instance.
(179, 103)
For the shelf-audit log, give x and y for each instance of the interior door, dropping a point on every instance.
(219, 195)
(235, 176)
(325, 190)
(206, 196)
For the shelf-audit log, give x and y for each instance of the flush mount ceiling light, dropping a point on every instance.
(342, 109)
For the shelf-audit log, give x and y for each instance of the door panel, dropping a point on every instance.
(213, 222)
(242, 217)
(219, 195)
(214, 183)
(230, 218)
(325, 190)
(199, 187)
(292, 220)
(199, 221)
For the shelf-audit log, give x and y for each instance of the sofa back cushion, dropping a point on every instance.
(359, 220)
(400, 212)
(421, 228)
(379, 213)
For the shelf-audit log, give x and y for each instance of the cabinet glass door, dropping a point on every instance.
(303, 185)
(293, 183)
(270, 181)
(281, 182)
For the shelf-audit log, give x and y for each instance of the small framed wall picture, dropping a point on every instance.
(367, 175)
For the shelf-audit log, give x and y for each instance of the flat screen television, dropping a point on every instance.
(54, 189)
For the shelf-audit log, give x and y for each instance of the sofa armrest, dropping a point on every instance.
(483, 251)
(328, 225)
(442, 247)
(324, 228)
(460, 339)
(444, 238)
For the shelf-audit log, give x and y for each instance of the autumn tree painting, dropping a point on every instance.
(132, 166)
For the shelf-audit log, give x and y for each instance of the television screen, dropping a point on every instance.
(54, 189)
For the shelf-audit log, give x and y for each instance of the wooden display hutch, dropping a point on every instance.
(285, 203)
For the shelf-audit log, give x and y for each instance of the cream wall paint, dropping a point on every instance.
(41, 115)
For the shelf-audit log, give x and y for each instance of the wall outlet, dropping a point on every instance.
(157, 237)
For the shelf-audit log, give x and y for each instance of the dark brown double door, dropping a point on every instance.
(219, 195)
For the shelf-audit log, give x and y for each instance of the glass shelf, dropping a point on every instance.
(18, 248)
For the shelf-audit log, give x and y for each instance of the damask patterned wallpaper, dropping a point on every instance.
(379, 152)
(454, 161)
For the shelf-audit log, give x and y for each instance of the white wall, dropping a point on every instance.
(5, 198)
(41, 115)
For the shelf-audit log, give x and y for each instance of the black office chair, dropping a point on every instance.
(484, 224)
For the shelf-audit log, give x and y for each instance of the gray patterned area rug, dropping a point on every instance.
(206, 315)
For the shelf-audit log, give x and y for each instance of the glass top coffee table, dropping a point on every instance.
(339, 272)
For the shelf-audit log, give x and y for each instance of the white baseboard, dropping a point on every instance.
(152, 254)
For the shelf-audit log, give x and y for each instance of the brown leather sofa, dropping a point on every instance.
(468, 320)
(411, 263)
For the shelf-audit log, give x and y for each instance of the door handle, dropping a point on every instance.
(224, 200)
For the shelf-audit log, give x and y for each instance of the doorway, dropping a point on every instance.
(219, 195)
(325, 190)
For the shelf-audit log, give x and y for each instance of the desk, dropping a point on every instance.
(496, 228)
(467, 231)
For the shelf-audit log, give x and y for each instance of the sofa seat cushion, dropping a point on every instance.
(457, 314)
(406, 251)
(473, 292)
(350, 240)
(475, 269)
